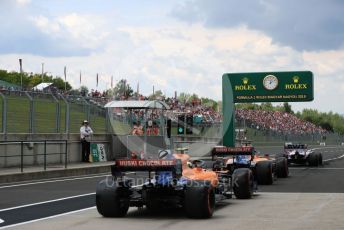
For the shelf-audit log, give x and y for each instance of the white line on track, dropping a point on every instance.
(46, 218)
(52, 181)
(303, 168)
(336, 158)
(325, 148)
(61, 180)
(1, 221)
(49, 201)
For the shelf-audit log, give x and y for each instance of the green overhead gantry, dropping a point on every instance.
(294, 86)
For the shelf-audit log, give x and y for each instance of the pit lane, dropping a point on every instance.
(315, 211)
(322, 188)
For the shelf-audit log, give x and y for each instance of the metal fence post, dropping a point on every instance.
(66, 115)
(107, 121)
(45, 155)
(31, 116)
(66, 152)
(22, 156)
(4, 113)
(57, 114)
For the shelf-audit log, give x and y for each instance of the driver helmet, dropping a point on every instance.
(165, 154)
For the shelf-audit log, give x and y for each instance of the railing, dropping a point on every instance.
(42, 112)
(9, 148)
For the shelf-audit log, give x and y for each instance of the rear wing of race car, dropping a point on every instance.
(290, 145)
(125, 165)
(223, 151)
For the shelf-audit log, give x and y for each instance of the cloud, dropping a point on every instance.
(23, 2)
(303, 25)
(176, 56)
(29, 31)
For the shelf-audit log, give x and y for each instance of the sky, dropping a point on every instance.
(180, 45)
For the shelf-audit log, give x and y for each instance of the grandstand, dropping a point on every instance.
(38, 112)
(279, 122)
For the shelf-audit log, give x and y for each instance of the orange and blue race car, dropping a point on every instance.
(173, 180)
(265, 168)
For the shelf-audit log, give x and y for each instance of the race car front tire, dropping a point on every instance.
(264, 172)
(282, 169)
(199, 200)
(112, 200)
(242, 183)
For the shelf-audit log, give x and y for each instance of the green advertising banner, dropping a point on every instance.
(261, 87)
(98, 152)
(271, 86)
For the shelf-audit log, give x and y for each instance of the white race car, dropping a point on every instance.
(300, 154)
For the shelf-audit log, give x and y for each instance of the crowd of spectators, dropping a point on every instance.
(201, 113)
(280, 122)
(277, 121)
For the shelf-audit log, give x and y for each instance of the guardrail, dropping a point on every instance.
(61, 144)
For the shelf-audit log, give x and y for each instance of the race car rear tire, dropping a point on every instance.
(282, 169)
(264, 172)
(112, 200)
(313, 159)
(199, 200)
(242, 182)
(320, 159)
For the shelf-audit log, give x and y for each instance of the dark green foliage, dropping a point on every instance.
(30, 79)
(330, 121)
(121, 89)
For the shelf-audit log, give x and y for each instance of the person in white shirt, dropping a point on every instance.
(85, 137)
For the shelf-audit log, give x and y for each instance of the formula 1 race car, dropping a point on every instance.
(280, 167)
(264, 168)
(300, 154)
(177, 182)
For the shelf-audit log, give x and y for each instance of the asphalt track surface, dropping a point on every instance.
(28, 205)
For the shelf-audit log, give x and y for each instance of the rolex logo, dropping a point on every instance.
(296, 79)
(245, 85)
(245, 81)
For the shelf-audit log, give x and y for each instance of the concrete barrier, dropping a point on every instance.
(33, 148)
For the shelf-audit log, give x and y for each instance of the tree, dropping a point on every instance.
(83, 91)
(267, 106)
(287, 108)
(210, 103)
(60, 84)
(184, 97)
(122, 89)
(157, 94)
